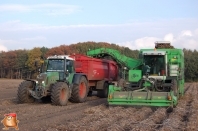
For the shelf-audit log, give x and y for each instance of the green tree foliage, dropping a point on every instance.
(44, 50)
(191, 65)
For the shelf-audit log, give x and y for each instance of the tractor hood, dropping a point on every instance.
(47, 78)
(41, 77)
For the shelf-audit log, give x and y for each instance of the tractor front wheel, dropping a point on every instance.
(60, 94)
(23, 92)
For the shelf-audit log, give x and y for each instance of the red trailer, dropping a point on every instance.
(100, 73)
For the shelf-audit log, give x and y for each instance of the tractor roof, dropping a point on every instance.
(60, 57)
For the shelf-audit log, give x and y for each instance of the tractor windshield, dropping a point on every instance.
(58, 65)
(155, 64)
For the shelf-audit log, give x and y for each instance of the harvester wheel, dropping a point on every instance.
(23, 92)
(103, 93)
(174, 87)
(80, 91)
(60, 94)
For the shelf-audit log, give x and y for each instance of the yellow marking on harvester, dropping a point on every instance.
(110, 96)
(169, 98)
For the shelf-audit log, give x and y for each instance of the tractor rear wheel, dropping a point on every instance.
(23, 92)
(79, 91)
(103, 93)
(60, 94)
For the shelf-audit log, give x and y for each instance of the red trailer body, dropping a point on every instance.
(95, 69)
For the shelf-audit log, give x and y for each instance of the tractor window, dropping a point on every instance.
(58, 65)
(155, 63)
(70, 66)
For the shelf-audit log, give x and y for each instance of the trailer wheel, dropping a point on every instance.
(174, 86)
(60, 94)
(90, 93)
(103, 93)
(23, 92)
(79, 91)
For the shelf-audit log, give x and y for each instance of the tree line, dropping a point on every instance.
(19, 64)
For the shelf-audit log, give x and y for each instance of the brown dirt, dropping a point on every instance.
(94, 115)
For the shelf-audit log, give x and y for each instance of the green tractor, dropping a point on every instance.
(64, 78)
(155, 79)
(57, 81)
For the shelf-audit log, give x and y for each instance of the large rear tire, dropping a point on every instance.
(60, 94)
(80, 91)
(103, 93)
(23, 92)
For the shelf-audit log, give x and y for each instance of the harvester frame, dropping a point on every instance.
(148, 85)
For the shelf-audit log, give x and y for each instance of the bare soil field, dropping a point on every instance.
(95, 115)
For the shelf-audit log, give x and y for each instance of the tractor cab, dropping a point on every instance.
(55, 68)
(58, 63)
(62, 64)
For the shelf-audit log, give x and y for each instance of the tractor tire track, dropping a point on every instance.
(119, 119)
(157, 119)
(94, 115)
(178, 119)
(12, 105)
(64, 113)
(192, 123)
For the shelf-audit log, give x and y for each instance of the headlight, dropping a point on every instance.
(36, 82)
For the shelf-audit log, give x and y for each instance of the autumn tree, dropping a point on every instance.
(55, 51)
(34, 54)
(13, 63)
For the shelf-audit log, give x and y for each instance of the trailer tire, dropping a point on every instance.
(103, 93)
(23, 92)
(60, 94)
(90, 93)
(80, 91)
(174, 87)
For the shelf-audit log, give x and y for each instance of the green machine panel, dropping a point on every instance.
(135, 75)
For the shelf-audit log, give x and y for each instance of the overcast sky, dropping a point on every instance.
(132, 23)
